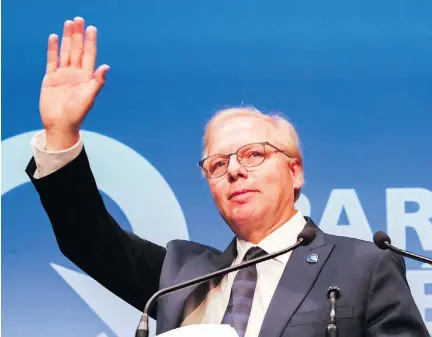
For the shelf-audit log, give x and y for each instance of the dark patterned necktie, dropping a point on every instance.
(242, 293)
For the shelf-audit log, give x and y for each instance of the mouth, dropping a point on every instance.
(240, 192)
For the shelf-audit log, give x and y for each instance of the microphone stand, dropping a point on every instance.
(382, 241)
(408, 254)
(333, 294)
(143, 326)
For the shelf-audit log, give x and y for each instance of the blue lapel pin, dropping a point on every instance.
(312, 258)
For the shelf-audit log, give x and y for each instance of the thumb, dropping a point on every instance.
(99, 77)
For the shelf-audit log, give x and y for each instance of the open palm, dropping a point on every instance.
(70, 85)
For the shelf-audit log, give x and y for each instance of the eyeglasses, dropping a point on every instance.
(249, 155)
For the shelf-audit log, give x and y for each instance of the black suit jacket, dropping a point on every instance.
(376, 299)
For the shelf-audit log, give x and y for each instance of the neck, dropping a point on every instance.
(258, 233)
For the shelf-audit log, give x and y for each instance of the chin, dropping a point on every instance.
(244, 214)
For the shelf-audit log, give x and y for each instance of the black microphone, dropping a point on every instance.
(382, 240)
(333, 294)
(305, 237)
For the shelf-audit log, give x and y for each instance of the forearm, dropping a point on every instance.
(92, 239)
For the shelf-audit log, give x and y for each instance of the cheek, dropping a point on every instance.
(217, 191)
(275, 175)
(276, 184)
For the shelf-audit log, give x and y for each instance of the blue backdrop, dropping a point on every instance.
(355, 78)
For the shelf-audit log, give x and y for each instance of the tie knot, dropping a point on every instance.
(253, 253)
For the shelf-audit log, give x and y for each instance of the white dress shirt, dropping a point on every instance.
(213, 307)
(48, 162)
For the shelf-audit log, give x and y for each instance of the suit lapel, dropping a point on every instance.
(175, 304)
(296, 281)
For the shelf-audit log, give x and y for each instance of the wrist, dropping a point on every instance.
(58, 139)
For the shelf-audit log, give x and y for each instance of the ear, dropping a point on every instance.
(297, 174)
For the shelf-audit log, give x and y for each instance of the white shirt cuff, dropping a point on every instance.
(48, 162)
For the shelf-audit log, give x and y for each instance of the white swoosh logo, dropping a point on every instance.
(138, 189)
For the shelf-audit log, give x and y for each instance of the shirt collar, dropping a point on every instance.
(282, 237)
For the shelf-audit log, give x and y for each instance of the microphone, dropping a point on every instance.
(382, 240)
(333, 294)
(306, 236)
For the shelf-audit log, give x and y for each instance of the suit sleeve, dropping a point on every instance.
(89, 236)
(391, 308)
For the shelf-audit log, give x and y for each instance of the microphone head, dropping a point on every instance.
(335, 290)
(381, 240)
(308, 235)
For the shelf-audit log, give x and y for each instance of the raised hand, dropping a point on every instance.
(70, 84)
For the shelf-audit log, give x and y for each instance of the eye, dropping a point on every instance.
(215, 165)
(254, 154)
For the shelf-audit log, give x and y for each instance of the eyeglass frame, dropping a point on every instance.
(200, 163)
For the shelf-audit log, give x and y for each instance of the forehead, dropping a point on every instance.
(229, 134)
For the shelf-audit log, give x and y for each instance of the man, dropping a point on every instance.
(253, 165)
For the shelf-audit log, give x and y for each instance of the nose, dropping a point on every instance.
(235, 170)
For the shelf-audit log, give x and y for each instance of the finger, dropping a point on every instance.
(100, 73)
(89, 56)
(66, 43)
(77, 42)
(99, 77)
(52, 54)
